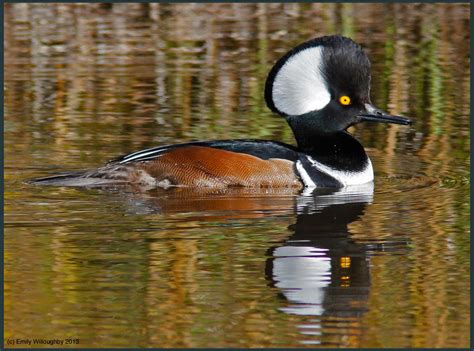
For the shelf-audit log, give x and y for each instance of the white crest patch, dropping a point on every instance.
(299, 86)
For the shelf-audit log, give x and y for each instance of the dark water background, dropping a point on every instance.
(368, 267)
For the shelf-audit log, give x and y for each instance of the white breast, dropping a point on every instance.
(346, 178)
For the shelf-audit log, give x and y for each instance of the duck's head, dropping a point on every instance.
(323, 86)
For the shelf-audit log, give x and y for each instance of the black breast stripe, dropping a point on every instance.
(320, 179)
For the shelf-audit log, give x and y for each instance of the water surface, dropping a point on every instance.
(374, 266)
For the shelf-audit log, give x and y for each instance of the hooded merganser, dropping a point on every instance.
(320, 87)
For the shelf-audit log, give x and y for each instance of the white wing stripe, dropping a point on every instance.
(142, 154)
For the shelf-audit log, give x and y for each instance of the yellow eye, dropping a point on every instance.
(345, 100)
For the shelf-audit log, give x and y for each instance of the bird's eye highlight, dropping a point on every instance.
(345, 100)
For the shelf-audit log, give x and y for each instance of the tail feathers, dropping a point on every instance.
(78, 178)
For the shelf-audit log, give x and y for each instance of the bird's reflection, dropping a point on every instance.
(320, 271)
(319, 268)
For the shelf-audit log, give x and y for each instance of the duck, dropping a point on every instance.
(320, 87)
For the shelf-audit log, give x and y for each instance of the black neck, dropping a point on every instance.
(339, 150)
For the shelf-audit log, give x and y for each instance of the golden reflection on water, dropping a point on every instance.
(87, 82)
